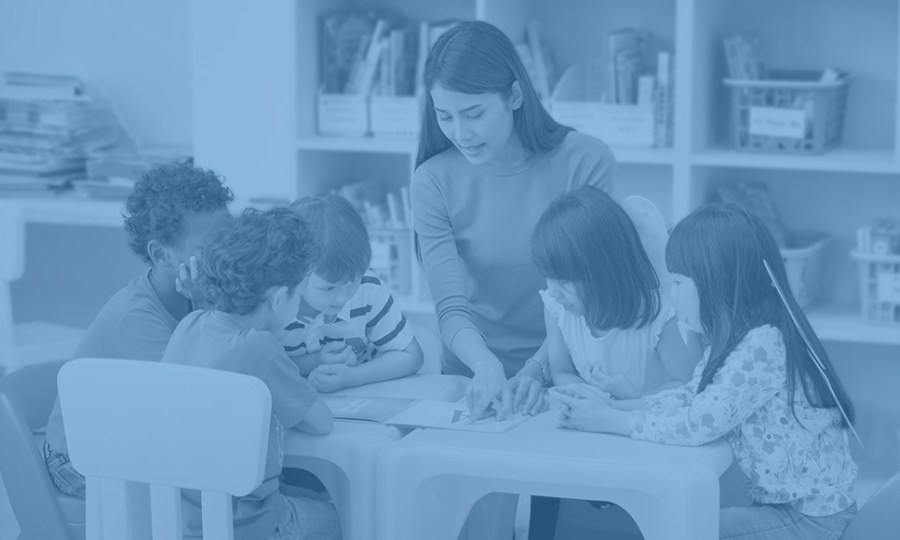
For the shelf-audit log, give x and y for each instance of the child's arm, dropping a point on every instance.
(562, 370)
(334, 352)
(679, 353)
(384, 367)
(630, 404)
(318, 420)
(307, 362)
(751, 375)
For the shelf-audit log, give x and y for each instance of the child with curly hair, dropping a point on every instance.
(253, 275)
(167, 217)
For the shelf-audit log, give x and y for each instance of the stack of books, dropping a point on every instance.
(48, 125)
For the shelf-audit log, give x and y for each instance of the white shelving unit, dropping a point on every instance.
(254, 110)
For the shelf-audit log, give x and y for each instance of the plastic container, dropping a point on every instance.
(396, 116)
(344, 115)
(577, 101)
(791, 113)
(805, 265)
(879, 287)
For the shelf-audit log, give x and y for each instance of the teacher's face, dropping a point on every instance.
(479, 125)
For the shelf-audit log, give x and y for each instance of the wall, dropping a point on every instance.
(137, 54)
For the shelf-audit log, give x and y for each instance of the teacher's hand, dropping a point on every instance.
(489, 383)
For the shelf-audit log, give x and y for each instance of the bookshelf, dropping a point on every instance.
(266, 83)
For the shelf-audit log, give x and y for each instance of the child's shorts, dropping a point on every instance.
(309, 518)
(63, 474)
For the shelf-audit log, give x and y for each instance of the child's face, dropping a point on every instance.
(288, 311)
(329, 297)
(197, 227)
(686, 301)
(479, 125)
(566, 295)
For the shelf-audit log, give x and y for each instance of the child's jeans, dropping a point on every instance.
(310, 518)
(780, 522)
(63, 474)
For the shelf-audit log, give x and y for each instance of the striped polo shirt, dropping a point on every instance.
(370, 322)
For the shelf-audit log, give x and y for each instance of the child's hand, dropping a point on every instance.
(186, 282)
(583, 413)
(337, 352)
(330, 377)
(528, 396)
(616, 385)
(585, 391)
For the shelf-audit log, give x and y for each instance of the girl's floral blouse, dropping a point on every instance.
(803, 461)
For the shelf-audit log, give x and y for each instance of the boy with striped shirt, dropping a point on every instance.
(348, 331)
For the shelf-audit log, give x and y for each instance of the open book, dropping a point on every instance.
(453, 416)
(370, 409)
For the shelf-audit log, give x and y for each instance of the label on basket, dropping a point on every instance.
(889, 287)
(775, 122)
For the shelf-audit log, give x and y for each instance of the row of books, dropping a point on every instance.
(379, 208)
(367, 50)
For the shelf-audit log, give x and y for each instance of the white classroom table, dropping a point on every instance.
(345, 460)
(428, 481)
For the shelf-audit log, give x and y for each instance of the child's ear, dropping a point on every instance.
(160, 256)
(278, 298)
(516, 97)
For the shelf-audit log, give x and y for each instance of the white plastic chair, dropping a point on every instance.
(32, 342)
(132, 424)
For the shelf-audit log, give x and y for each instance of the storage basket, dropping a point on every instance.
(392, 252)
(342, 115)
(791, 113)
(804, 263)
(879, 287)
(577, 101)
(396, 116)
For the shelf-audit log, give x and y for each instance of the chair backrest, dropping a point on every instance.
(879, 517)
(167, 426)
(12, 266)
(26, 397)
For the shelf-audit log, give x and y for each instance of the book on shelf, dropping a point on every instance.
(362, 75)
(429, 32)
(664, 99)
(380, 52)
(543, 65)
(344, 35)
(40, 86)
(626, 61)
(743, 55)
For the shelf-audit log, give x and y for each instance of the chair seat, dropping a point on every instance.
(40, 342)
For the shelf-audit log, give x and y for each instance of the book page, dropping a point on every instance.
(370, 409)
(454, 416)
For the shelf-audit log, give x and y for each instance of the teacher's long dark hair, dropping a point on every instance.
(475, 57)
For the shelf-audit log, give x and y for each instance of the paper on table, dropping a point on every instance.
(454, 416)
(371, 409)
